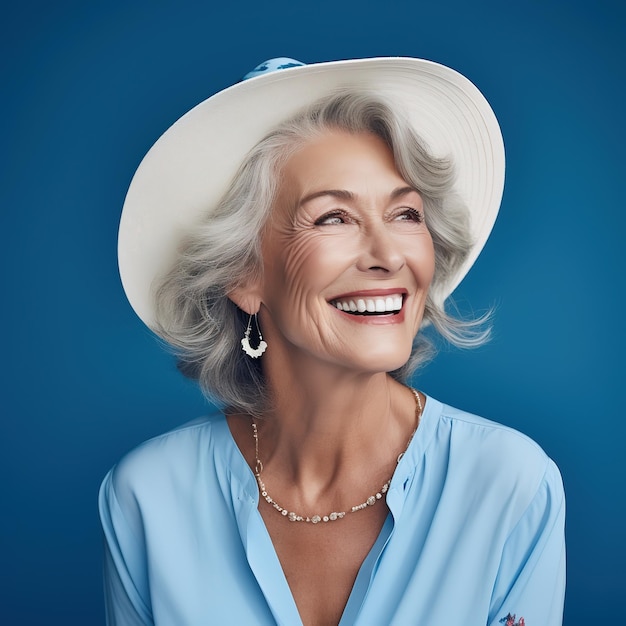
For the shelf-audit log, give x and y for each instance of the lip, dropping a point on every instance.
(376, 320)
(371, 293)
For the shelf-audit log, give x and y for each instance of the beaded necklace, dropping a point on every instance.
(292, 516)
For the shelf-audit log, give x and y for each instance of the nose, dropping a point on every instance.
(380, 251)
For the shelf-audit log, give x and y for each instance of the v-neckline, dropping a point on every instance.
(260, 550)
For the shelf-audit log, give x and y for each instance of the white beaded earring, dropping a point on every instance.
(254, 353)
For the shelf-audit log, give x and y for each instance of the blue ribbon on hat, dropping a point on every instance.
(272, 65)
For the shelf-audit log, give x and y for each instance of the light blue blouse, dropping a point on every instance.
(474, 536)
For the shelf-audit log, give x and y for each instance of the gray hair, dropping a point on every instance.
(204, 327)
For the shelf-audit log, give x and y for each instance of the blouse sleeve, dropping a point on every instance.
(125, 574)
(530, 585)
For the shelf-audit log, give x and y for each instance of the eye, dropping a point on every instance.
(408, 214)
(332, 218)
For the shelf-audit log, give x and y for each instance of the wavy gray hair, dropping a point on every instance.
(204, 327)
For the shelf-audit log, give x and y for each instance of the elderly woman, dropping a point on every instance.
(294, 239)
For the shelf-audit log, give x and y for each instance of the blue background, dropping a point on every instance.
(89, 86)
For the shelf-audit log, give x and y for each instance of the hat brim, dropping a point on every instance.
(189, 168)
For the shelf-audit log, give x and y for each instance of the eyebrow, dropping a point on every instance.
(343, 194)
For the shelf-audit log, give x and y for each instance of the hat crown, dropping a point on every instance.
(273, 65)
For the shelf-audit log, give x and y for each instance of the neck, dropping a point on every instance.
(330, 427)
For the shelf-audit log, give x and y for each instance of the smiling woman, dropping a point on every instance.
(321, 236)
(224, 250)
(356, 232)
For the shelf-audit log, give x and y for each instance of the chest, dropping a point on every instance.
(321, 561)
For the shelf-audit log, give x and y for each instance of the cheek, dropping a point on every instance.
(306, 265)
(421, 258)
(295, 294)
(428, 264)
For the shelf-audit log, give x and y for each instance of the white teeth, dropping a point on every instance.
(389, 304)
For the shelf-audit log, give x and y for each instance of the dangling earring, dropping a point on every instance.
(254, 353)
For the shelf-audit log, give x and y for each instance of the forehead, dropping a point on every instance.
(338, 159)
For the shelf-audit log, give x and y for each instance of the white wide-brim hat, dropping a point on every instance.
(187, 171)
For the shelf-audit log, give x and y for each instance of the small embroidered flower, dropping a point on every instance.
(509, 620)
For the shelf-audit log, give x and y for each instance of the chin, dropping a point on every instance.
(384, 362)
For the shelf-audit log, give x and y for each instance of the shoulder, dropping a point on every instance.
(496, 458)
(167, 460)
(503, 442)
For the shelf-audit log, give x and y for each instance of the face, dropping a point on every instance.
(347, 257)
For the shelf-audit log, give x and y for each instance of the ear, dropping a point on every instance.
(247, 297)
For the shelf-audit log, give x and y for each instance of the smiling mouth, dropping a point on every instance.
(387, 305)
